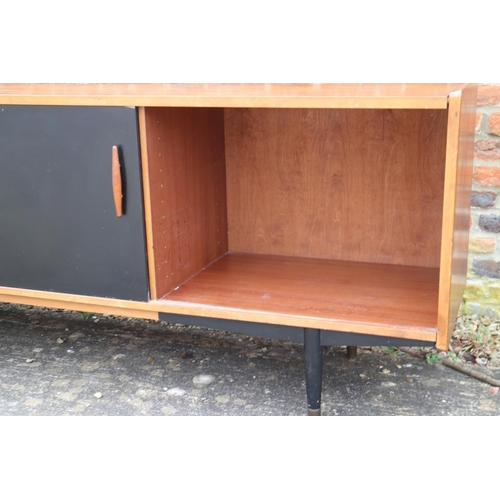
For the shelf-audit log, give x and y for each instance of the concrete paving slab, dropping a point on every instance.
(55, 362)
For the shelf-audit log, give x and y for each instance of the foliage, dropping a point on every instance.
(86, 315)
(431, 357)
(391, 350)
(477, 339)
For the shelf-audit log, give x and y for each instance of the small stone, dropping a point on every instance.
(144, 394)
(385, 371)
(494, 390)
(202, 380)
(176, 391)
(409, 379)
(398, 367)
(168, 410)
(33, 402)
(96, 320)
(29, 360)
(98, 395)
(60, 340)
(362, 375)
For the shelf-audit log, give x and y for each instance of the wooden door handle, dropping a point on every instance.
(116, 180)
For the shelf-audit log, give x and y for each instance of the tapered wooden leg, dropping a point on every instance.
(352, 352)
(313, 352)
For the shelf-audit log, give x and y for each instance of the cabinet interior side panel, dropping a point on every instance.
(358, 185)
(188, 191)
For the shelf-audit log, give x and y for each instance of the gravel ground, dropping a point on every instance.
(57, 362)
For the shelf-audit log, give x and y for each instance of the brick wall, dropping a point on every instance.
(482, 294)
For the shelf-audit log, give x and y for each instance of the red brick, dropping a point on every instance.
(482, 245)
(488, 94)
(487, 176)
(487, 150)
(494, 123)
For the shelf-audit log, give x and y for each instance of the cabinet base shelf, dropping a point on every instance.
(377, 299)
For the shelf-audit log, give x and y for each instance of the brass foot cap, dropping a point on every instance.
(314, 413)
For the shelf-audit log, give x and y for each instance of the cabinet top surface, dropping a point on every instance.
(420, 95)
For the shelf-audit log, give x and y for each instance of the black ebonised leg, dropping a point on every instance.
(314, 370)
(352, 352)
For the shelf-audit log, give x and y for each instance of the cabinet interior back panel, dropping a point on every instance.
(188, 193)
(358, 185)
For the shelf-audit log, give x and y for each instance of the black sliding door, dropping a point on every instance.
(58, 227)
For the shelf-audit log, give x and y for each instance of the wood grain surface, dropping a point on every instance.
(146, 196)
(116, 181)
(357, 297)
(404, 96)
(456, 210)
(185, 151)
(78, 302)
(363, 185)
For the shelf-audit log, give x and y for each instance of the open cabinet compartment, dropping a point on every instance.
(319, 218)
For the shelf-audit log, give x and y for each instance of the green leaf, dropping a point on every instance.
(431, 357)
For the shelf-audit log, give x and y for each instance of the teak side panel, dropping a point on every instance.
(185, 149)
(456, 210)
(346, 296)
(360, 185)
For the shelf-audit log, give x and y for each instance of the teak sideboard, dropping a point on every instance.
(327, 214)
